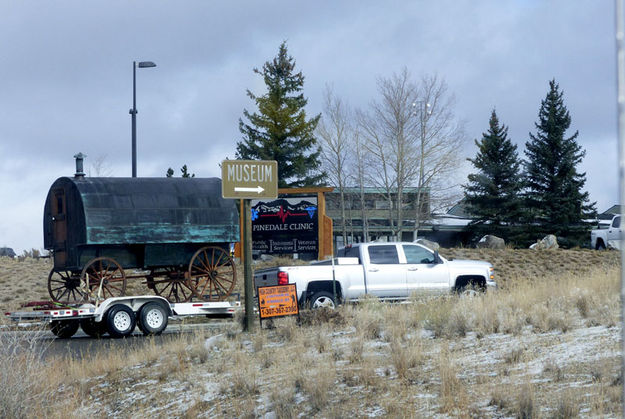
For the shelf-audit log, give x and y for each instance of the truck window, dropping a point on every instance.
(349, 252)
(617, 222)
(416, 254)
(386, 254)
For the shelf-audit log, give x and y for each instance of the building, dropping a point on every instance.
(376, 213)
(447, 229)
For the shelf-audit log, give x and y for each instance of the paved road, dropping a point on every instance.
(81, 345)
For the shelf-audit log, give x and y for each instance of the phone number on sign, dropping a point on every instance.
(278, 311)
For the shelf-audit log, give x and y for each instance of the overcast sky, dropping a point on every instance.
(66, 78)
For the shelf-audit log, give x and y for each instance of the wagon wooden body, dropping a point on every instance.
(173, 232)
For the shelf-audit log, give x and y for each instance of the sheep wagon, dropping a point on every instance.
(174, 233)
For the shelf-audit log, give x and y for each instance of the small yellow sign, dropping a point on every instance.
(275, 301)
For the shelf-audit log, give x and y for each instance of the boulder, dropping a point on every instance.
(491, 242)
(7, 251)
(547, 243)
(429, 244)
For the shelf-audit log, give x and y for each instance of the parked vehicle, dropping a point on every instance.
(173, 233)
(386, 270)
(602, 238)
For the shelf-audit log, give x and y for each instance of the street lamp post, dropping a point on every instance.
(423, 113)
(133, 111)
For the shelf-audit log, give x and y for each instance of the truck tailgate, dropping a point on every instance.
(266, 277)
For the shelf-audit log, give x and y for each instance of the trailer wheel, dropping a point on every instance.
(120, 321)
(152, 319)
(64, 329)
(212, 274)
(93, 329)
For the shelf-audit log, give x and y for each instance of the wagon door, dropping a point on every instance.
(59, 226)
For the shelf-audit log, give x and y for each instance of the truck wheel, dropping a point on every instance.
(93, 329)
(322, 299)
(120, 321)
(152, 319)
(600, 245)
(64, 329)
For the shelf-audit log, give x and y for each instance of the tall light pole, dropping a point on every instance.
(423, 114)
(133, 111)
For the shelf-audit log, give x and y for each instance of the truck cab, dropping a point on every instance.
(602, 238)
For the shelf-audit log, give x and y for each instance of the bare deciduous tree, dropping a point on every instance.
(440, 136)
(412, 137)
(390, 139)
(101, 167)
(334, 133)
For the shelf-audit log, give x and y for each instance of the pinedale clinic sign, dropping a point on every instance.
(285, 226)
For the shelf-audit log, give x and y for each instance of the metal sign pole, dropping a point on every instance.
(247, 266)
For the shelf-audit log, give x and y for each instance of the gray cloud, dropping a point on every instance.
(66, 77)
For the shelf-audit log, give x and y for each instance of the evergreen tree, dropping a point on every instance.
(185, 172)
(554, 187)
(493, 194)
(279, 130)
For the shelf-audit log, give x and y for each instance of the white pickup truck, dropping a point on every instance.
(602, 238)
(386, 270)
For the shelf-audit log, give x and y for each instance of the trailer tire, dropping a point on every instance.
(152, 319)
(91, 328)
(120, 321)
(64, 329)
(322, 299)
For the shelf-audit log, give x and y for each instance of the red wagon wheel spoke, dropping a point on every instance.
(108, 274)
(170, 284)
(210, 269)
(64, 286)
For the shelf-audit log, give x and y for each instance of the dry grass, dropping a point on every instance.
(543, 346)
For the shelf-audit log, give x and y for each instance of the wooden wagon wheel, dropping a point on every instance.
(170, 284)
(64, 286)
(108, 274)
(212, 274)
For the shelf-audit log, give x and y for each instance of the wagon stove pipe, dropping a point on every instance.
(80, 174)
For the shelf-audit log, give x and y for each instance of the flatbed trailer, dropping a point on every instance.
(118, 316)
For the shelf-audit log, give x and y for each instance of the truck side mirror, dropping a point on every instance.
(437, 258)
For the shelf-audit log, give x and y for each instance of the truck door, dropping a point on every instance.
(614, 232)
(59, 227)
(423, 271)
(385, 276)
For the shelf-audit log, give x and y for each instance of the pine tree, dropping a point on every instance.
(185, 172)
(554, 187)
(279, 130)
(493, 194)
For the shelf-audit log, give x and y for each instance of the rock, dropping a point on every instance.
(547, 243)
(7, 251)
(491, 242)
(429, 244)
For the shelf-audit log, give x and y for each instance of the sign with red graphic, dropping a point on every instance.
(285, 226)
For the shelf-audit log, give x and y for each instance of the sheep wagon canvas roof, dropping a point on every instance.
(143, 210)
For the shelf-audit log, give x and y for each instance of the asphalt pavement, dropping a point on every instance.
(81, 345)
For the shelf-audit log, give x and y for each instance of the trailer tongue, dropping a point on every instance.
(118, 316)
